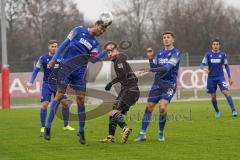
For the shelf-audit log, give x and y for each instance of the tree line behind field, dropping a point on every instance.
(31, 23)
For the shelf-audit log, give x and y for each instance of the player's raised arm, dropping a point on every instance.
(35, 73)
(62, 47)
(96, 55)
(150, 55)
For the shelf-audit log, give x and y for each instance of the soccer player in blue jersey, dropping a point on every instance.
(81, 47)
(47, 92)
(165, 65)
(215, 60)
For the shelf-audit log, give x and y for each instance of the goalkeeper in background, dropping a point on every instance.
(47, 92)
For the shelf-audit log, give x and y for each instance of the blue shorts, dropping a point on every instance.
(76, 79)
(47, 93)
(161, 90)
(213, 82)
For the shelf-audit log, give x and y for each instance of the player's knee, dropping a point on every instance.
(45, 104)
(80, 100)
(113, 112)
(214, 97)
(150, 107)
(225, 93)
(64, 103)
(162, 109)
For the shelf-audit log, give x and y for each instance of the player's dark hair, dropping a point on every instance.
(52, 41)
(168, 32)
(216, 40)
(110, 43)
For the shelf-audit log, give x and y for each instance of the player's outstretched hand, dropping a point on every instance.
(230, 82)
(51, 64)
(108, 87)
(29, 85)
(150, 53)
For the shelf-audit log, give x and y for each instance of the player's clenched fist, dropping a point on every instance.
(150, 53)
(51, 64)
(29, 85)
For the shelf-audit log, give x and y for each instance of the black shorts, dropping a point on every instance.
(127, 97)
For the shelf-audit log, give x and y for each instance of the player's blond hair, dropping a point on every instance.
(52, 41)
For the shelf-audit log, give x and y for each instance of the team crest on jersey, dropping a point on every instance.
(120, 65)
(169, 54)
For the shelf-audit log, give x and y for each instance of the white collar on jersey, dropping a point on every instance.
(50, 54)
(216, 52)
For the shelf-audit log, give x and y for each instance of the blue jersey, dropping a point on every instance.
(215, 62)
(43, 63)
(81, 43)
(171, 57)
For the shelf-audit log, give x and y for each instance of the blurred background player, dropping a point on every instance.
(81, 46)
(127, 97)
(215, 59)
(165, 65)
(47, 92)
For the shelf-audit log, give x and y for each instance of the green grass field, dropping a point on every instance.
(192, 132)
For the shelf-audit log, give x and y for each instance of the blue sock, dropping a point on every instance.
(43, 115)
(81, 118)
(146, 120)
(53, 109)
(65, 115)
(230, 102)
(162, 121)
(215, 105)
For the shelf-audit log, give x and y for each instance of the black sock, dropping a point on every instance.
(112, 126)
(120, 120)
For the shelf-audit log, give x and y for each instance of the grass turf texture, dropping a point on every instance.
(192, 132)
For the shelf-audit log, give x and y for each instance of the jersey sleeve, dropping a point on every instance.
(72, 34)
(225, 61)
(94, 51)
(39, 62)
(204, 61)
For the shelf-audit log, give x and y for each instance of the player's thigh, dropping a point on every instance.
(126, 98)
(222, 84)
(78, 80)
(46, 93)
(154, 95)
(167, 96)
(211, 85)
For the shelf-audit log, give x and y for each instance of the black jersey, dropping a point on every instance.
(124, 72)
